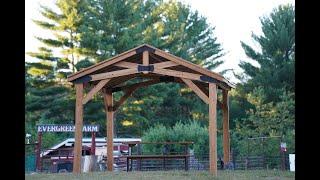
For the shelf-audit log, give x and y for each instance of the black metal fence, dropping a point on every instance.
(198, 162)
(195, 162)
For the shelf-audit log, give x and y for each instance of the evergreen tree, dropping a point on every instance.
(276, 57)
(100, 29)
(269, 88)
(64, 26)
(112, 27)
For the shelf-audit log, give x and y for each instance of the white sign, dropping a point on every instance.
(65, 128)
(292, 161)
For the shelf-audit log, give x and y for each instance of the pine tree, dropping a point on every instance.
(183, 32)
(269, 88)
(276, 57)
(112, 27)
(64, 26)
(91, 31)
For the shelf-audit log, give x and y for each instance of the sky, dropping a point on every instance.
(234, 21)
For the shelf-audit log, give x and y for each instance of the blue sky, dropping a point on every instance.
(234, 21)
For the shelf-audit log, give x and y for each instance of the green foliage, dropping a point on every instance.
(83, 64)
(64, 25)
(275, 57)
(191, 131)
(112, 27)
(268, 91)
(87, 32)
(92, 31)
(268, 120)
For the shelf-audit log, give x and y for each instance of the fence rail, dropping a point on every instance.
(195, 162)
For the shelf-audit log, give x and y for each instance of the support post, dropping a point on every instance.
(108, 100)
(213, 128)
(93, 159)
(139, 160)
(93, 143)
(145, 60)
(226, 135)
(38, 151)
(78, 129)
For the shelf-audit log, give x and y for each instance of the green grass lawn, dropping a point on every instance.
(159, 175)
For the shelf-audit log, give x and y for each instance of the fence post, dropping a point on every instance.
(38, 151)
(139, 153)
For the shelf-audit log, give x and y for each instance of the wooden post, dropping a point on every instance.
(213, 128)
(78, 129)
(108, 100)
(226, 136)
(93, 143)
(38, 152)
(139, 153)
(93, 159)
(145, 60)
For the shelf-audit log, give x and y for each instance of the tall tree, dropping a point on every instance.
(112, 27)
(184, 32)
(276, 57)
(64, 26)
(268, 89)
(101, 29)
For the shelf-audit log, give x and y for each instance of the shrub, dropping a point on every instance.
(191, 131)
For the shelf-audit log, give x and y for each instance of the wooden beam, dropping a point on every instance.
(186, 75)
(145, 60)
(117, 81)
(125, 64)
(196, 89)
(108, 101)
(78, 129)
(213, 128)
(124, 98)
(206, 92)
(191, 66)
(94, 90)
(113, 74)
(226, 135)
(179, 74)
(188, 64)
(102, 64)
(165, 64)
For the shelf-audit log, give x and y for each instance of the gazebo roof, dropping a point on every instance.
(129, 64)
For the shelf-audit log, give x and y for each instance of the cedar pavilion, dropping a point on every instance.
(157, 66)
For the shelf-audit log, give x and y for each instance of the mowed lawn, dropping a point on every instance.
(159, 175)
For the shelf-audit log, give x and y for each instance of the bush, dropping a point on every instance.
(191, 131)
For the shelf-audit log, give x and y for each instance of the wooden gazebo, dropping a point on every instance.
(157, 66)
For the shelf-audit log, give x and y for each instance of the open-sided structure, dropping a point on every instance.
(147, 62)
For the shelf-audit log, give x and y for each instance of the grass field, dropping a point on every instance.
(159, 175)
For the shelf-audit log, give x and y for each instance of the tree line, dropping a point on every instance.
(88, 32)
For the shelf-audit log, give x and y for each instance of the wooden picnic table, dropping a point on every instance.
(141, 157)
